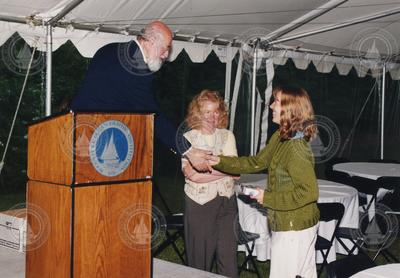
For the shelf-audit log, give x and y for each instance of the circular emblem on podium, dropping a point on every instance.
(111, 148)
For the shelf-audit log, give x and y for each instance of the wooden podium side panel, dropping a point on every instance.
(112, 230)
(48, 235)
(50, 153)
(141, 128)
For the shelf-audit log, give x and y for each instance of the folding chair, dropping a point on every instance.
(329, 165)
(386, 253)
(253, 203)
(246, 238)
(390, 223)
(328, 212)
(371, 187)
(365, 186)
(339, 177)
(174, 229)
(336, 160)
(354, 236)
(392, 201)
(391, 183)
(349, 266)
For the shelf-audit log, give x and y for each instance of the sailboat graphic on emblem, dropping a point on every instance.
(111, 148)
(110, 156)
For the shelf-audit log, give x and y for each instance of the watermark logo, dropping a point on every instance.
(378, 228)
(131, 59)
(82, 133)
(16, 55)
(325, 144)
(251, 39)
(373, 47)
(111, 148)
(36, 232)
(142, 226)
(182, 144)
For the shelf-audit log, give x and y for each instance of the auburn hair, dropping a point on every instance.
(297, 113)
(193, 118)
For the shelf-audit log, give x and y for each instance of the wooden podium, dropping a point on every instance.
(89, 196)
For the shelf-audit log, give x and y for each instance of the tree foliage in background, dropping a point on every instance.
(68, 70)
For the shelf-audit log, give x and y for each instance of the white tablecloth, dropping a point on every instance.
(369, 170)
(382, 271)
(333, 192)
(253, 221)
(373, 171)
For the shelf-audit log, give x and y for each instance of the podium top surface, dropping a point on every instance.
(75, 112)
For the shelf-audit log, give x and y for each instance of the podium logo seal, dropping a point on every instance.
(111, 148)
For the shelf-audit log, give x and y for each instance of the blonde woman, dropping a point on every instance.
(292, 192)
(210, 203)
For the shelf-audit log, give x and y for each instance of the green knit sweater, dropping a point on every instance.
(292, 191)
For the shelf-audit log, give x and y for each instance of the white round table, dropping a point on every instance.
(329, 192)
(369, 170)
(333, 192)
(381, 271)
(373, 171)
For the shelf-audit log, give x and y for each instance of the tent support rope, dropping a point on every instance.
(16, 111)
(357, 119)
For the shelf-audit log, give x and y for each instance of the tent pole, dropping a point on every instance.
(235, 93)
(383, 89)
(253, 101)
(49, 52)
(297, 23)
(337, 26)
(228, 74)
(49, 49)
(69, 7)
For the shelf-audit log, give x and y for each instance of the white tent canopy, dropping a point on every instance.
(221, 24)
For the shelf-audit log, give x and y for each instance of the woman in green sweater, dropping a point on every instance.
(292, 191)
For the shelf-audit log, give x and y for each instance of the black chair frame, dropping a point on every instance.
(328, 212)
(245, 238)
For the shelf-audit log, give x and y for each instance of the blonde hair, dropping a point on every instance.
(193, 118)
(297, 113)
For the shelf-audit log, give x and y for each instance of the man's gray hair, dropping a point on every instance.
(150, 32)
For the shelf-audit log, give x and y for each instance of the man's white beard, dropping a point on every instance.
(154, 64)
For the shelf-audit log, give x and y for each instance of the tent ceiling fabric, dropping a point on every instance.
(94, 23)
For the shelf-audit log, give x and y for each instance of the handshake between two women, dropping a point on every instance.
(202, 161)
